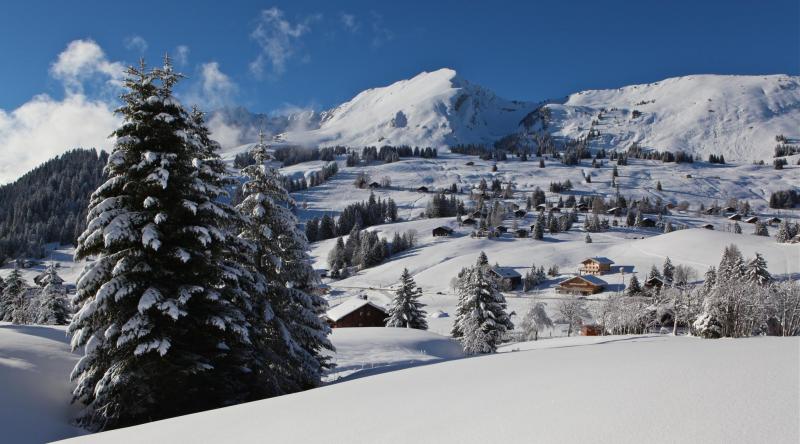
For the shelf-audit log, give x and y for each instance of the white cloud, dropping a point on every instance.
(278, 39)
(182, 55)
(213, 88)
(349, 21)
(136, 43)
(229, 135)
(381, 34)
(44, 127)
(82, 61)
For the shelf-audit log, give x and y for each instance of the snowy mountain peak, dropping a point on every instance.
(431, 109)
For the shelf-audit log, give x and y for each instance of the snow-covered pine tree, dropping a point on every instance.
(53, 308)
(784, 232)
(166, 319)
(737, 229)
(588, 239)
(756, 271)
(482, 320)
(654, 273)
(535, 320)
(281, 247)
(760, 229)
(10, 298)
(538, 229)
(633, 288)
(669, 271)
(406, 310)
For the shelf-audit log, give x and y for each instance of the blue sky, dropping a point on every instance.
(63, 60)
(327, 51)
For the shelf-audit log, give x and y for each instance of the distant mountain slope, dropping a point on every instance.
(432, 109)
(48, 204)
(737, 116)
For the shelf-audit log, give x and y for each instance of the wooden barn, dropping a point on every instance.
(646, 222)
(774, 221)
(591, 330)
(507, 277)
(520, 213)
(521, 233)
(584, 284)
(751, 220)
(596, 265)
(442, 231)
(374, 185)
(422, 189)
(501, 228)
(735, 217)
(469, 221)
(356, 312)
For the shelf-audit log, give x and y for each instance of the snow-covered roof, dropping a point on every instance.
(599, 260)
(588, 278)
(505, 272)
(349, 306)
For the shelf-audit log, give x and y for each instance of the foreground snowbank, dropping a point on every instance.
(372, 350)
(612, 389)
(35, 362)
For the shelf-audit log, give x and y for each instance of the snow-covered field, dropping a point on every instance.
(597, 389)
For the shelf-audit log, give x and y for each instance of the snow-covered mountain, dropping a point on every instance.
(432, 109)
(737, 116)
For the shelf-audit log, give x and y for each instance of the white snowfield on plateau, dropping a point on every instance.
(613, 389)
(733, 115)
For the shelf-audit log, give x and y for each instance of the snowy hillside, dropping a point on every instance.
(736, 116)
(670, 389)
(432, 109)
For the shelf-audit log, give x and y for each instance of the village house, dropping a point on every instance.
(422, 189)
(583, 208)
(442, 231)
(596, 266)
(521, 233)
(374, 185)
(774, 221)
(469, 221)
(735, 217)
(584, 285)
(646, 222)
(501, 228)
(507, 278)
(591, 330)
(707, 226)
(654, 282)
(751, 220)
(520, 213)
(357, 311)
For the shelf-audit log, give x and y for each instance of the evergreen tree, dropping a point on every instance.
(312, 229)
(327, 228)
(538, 229)
(588, 239)
(655, 273)
(668, 227)
(784, 233)
(737, 229)
(482, 320)
(11, 297)
(53, 308)
(756, 271)
(406, 310)
(633, 286)
(760, 229)
(166, 316)
(669, 271)
(283, 262)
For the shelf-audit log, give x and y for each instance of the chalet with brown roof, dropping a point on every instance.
(356, 312)
(442, 231)
(584, 285)
(508, 278)
(596, 265)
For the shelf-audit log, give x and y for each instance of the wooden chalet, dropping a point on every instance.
(774, 220)
(616, 211)
(654, 282)
(442, 231)
(374, 185)
(735, 217)
(507, 278)
(469, 221)
(729, 210)
(596, 265)
(501, 228)
(707, 226)
(583, 284)
(521, 233)
(646, 222)
(356, 312)
(520, 213)
(751, 220)
(541, 207)
(422, 189)
(583, 208)
(470, 163)
(591, 330)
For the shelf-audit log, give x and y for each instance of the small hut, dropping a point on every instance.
(442, 231)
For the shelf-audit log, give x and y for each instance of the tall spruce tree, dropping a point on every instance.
(11, 296)
(406, 310)
(283, 262)
(633, 288)
(53, 308)
(167, 319)
(483, 320)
